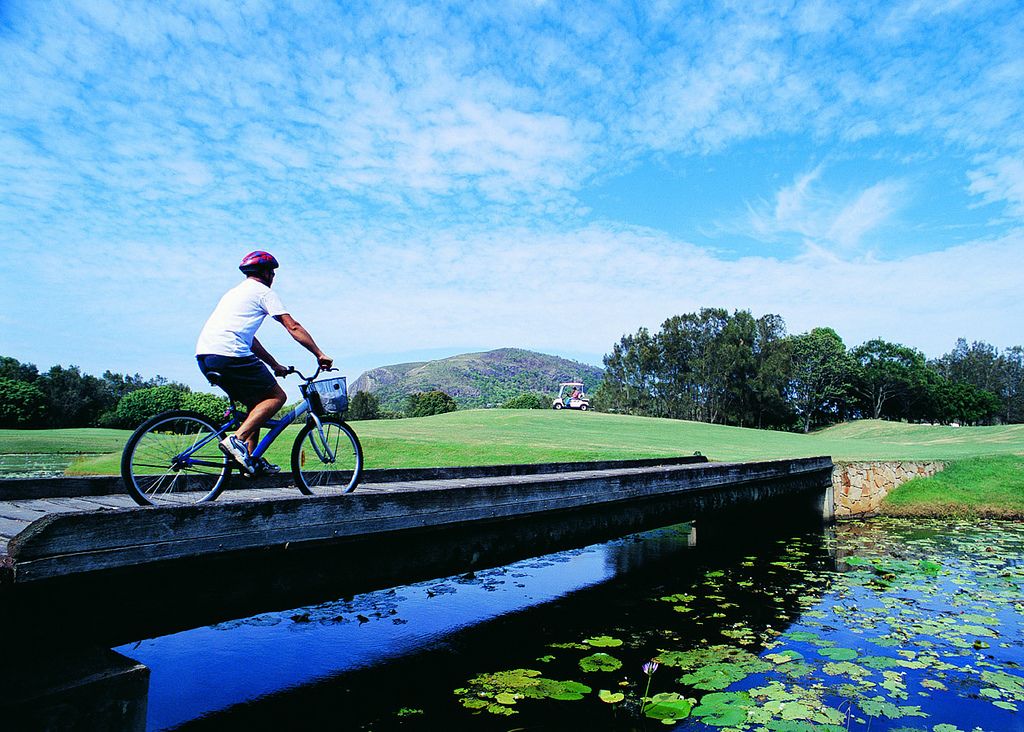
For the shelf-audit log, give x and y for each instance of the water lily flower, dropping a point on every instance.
(649, 668)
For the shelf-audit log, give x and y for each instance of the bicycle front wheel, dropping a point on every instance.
(326, 459)
(173, 459)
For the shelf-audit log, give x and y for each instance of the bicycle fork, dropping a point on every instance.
(321, 447)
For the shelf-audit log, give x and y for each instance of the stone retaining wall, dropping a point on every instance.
(859, 487)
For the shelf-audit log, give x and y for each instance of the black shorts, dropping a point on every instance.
(245, 378)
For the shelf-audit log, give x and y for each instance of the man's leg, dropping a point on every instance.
(259, 413)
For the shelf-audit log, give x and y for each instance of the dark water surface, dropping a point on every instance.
(877, 625)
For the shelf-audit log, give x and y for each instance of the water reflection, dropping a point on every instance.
(297, 647)
(878, 625)
(374, 643)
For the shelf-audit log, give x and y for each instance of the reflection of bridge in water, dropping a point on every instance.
(104, 577)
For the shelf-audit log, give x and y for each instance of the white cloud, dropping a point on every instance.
(419, 167)
(1000, 181)
(872, 208)
(822, 218)
(521, 287)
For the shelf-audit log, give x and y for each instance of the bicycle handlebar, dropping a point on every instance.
(307, 379)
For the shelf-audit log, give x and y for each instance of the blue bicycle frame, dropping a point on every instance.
(276, 426)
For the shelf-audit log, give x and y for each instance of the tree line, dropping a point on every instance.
(735, 369)
(67, 397)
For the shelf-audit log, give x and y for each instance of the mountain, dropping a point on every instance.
(476, 379)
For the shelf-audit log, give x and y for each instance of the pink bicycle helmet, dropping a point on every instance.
(255, 261)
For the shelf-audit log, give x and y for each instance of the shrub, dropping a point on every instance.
(210, 406)
(21, 404)
(363, 405)
(424, 404)
(526, 401)
(137, 406)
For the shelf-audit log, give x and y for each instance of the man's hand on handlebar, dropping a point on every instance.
(325, 362)
(282, 371)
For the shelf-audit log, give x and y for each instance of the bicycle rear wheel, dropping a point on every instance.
(173, 459)
(327, 462)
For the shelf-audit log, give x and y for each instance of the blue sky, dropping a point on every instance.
(443, 178)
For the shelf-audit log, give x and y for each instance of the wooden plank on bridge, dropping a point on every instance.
(64, 543)
(111, 485)
(10, 528)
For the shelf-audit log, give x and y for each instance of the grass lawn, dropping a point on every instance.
(984, 487)
(493, 436)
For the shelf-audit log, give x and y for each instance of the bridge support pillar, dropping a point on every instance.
(66, 688)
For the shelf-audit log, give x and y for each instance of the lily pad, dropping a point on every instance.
(610, 697)
(668, 707)
(723, 709)
(496, 693)
(715, 676)
(1012, 685)
(839, 654)
(600, 662)
(603, 641)
(878, 707)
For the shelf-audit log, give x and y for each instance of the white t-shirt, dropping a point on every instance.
(230, 329)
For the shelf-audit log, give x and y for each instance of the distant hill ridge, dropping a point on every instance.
(476, 379)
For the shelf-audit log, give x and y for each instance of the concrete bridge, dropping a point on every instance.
(272, 548)
(84, 572)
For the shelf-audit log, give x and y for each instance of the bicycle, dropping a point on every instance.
(174, 457)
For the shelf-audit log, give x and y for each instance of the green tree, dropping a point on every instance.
(977, 365)
(73, 399)
(693, 377)
(708, 365)
(982, 366)
(427, 403)
(885, 377)
(773, 367)
(822, 376)
(12, 368)
(1011, 386)
(22, 404)
(966, 404)
(630, 376)
(117, 385)
(363, 405)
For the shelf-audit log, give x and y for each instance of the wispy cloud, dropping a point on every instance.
(822, 218)
(420, 167)
(1000, 181)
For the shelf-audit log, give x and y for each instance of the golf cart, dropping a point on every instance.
(571, 396)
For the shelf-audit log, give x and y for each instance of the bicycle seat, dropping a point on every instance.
(213, 377)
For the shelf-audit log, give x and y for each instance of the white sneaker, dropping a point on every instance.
(238, 450)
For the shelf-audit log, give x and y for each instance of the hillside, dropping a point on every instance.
(476, 379)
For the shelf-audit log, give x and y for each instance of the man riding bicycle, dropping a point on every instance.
(228, 346)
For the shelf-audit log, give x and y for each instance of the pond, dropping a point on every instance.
(874, 625)
(39, 465)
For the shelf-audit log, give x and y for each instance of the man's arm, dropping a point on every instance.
(303, 338)
(264, 355)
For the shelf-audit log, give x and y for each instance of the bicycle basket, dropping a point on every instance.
(332, 393)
